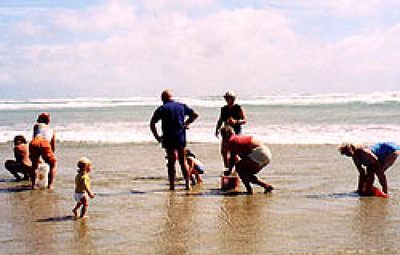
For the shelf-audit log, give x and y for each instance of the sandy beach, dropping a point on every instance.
(313, 209)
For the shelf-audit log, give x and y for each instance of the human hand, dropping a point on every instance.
(231, 121)
(217, 133)
(91, 195)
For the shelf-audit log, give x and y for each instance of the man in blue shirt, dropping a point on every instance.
(173, 125)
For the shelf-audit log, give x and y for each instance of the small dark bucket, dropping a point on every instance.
(230, 183)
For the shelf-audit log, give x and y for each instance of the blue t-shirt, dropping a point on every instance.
(172, 115)
(381, 150)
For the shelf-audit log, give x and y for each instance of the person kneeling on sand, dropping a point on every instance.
(248, 156)
(82, 187)
(371, 160)
(22, 164)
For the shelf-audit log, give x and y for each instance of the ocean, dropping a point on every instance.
(312, 210)
(293, 119)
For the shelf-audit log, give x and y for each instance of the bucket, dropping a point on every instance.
(43, 175)
(230, 183)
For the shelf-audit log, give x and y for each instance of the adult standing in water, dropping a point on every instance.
(173, 139)
(370, 161)
(232, 115)
(248, 156)
(43, 145)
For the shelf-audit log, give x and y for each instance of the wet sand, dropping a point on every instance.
(312, 210)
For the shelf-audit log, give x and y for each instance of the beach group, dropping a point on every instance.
(247, 156)
(240, 153)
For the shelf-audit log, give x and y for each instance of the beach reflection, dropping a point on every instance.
(244, 223)
(371, 224)
(179, 224)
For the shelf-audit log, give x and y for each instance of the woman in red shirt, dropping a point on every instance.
(248, 156)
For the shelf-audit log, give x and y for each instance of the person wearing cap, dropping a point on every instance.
(249, 156)
(173, 139)
(82, 187)
(231, 114)
(43, 145)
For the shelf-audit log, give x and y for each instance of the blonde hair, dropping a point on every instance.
(83, 162)
(344, 148)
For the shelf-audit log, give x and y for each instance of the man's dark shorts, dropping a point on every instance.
(173, 143)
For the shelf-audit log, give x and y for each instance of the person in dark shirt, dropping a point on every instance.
(173, 139)
(231, 115)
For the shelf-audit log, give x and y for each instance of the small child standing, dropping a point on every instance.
(82, 187)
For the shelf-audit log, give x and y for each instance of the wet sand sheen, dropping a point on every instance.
(312, 210)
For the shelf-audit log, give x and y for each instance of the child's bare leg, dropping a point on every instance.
(85, 204)
(75, 210)
(198, 177)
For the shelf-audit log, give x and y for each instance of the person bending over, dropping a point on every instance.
(370, 161)
(248, 157)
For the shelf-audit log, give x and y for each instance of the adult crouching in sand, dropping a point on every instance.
(248, 157)
(43, 145)
(173, 139)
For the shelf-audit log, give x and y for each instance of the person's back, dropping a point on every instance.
(21, 153)
(381, 150)
(44, 131)
(172, 115)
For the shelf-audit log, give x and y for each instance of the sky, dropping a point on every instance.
(126, 48)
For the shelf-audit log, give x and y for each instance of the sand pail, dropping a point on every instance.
(43, 175)
(230, 183)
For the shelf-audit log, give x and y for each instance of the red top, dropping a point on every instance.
(241, 144)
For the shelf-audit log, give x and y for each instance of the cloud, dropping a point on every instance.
(254, 51)
(108, 17)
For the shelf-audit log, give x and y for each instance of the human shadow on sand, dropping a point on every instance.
(56, 219)
(10, 180)
(16, 189)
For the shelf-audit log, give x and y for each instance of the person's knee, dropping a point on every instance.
(253, 178)
(9, 164)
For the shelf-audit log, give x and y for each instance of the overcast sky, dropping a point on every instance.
(123, 48)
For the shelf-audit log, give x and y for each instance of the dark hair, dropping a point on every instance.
(44, 117)
(19, 138)
(189, 153)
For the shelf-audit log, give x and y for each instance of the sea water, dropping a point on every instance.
(294, 119)
(312, 210)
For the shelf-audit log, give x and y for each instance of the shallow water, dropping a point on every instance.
(312, 211)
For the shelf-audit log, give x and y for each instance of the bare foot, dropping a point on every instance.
(50, 187)
(268, 189)
(75, 212)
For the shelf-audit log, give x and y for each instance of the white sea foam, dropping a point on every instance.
(276, 100)
(271, 134)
